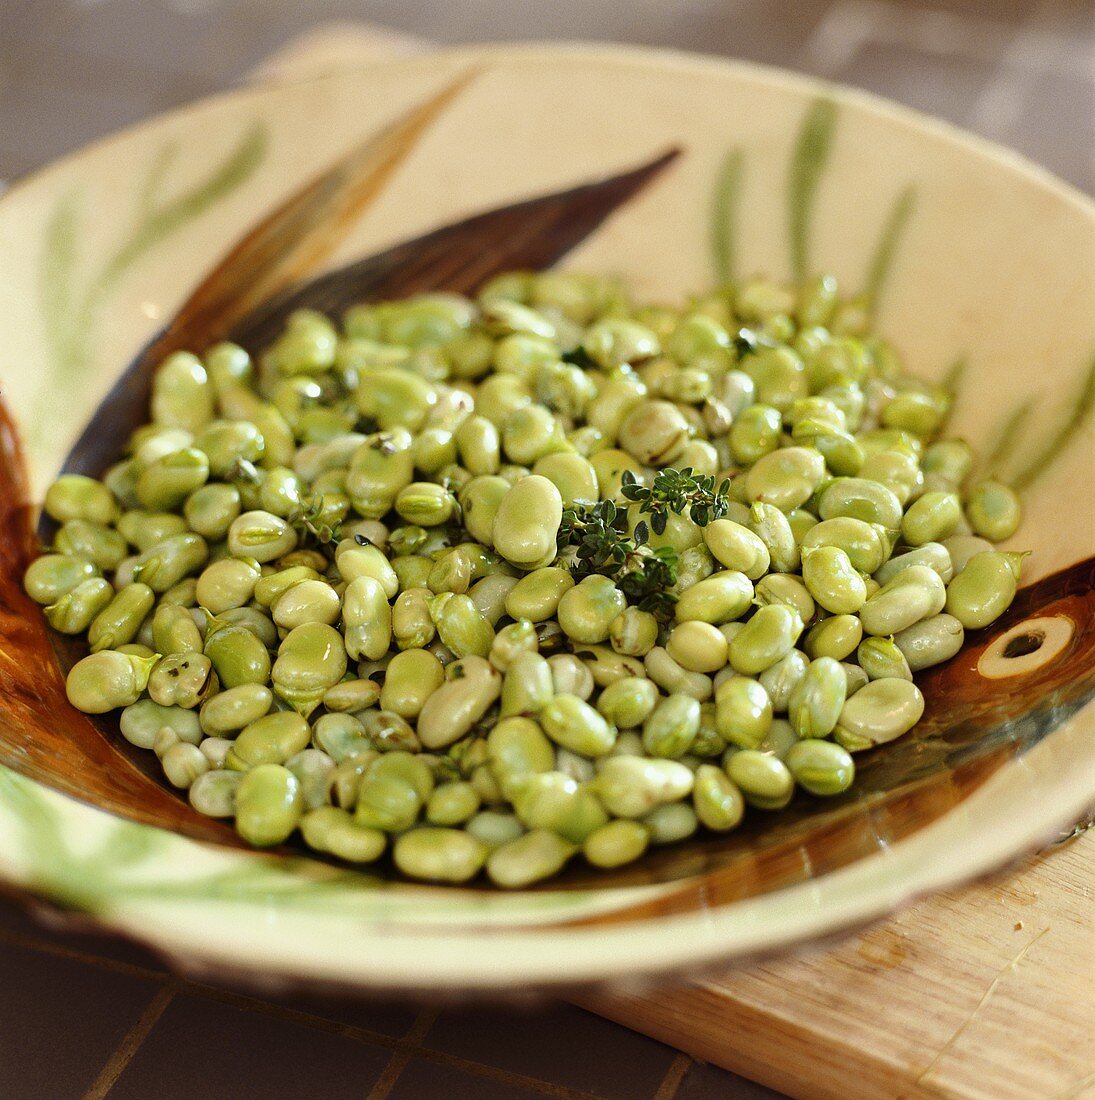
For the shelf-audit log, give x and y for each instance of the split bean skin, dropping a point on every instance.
(474, 586)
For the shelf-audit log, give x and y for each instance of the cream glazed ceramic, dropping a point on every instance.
(978, 265)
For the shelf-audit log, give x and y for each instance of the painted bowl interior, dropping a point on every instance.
(434, 175)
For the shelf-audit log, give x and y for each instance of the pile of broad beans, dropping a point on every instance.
(341, 588)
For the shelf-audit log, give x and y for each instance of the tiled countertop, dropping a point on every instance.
(80, 1016)
(85, 1017)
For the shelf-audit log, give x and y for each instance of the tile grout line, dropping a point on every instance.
(401, 1058)
(673, 1078)
(320, 1023)
(129, 1046)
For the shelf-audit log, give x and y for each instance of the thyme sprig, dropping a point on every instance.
(678, 491)
(603, 544)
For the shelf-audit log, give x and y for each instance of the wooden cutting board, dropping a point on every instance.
(986, 991)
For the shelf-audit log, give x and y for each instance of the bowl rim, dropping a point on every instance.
(666, 944)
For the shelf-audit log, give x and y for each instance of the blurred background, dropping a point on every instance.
(1018, 71)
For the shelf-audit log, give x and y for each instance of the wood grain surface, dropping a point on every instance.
(982, 992)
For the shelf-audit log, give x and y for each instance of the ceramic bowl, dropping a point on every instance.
(977, 264)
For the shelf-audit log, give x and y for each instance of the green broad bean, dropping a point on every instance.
(213, 793)
(737, 548)
(162, 566)
(755, 433)
(672, 727)
(107, 680)
(836, 637)
(786, 588)
(932, 554)
(913, 594)
(181, 394)
(529, 433)
(165, 484)
(425, 504)
(697, 646)
(671, 823)
(720, 598)
(777, 741)
(141, 721)
(268, 804)
(75, 611)
(766, 638)
(238, 656)
(553, 800)
(672, 678)
(183, 763)
(743, 711)
(333, 830)
(528, 686)
(654, 433)
(774, 530)
(260, 536)
(716, 799)
(932, 516)
(930, 641)
(573, 476)
(533, 856)
(314, 770)
(348, 696)
(52, 576)
(993, 510)
(147, 529)
(785, 478)
(764, 780)
(412, 625)
(119, 622)
(452, 804)
(478, 446)
(586, 611)
(227, 584)
(867, 545)
(388, 731)
(575, 725)
(536, 595)
(879, 712)
(832, 580)
(490, 595)
(341, 737)
(963, 547)
(460, 625)
(633, 632)
(311, 659)
(366, 621)
(235, 708)
(984, 589)
(77, 497)
(882, 657)
(817, 699)
(780, 679)
(354, 561)
(820, 767)
(174, 630)
(104, 547)
(526, 523)
(616, 844)
(855, 676)
(272, 739)
(434, 854)
(472, 685)
(413, 675)
(862, 499)
(632, 786)
(518, 637)
(311, 601)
